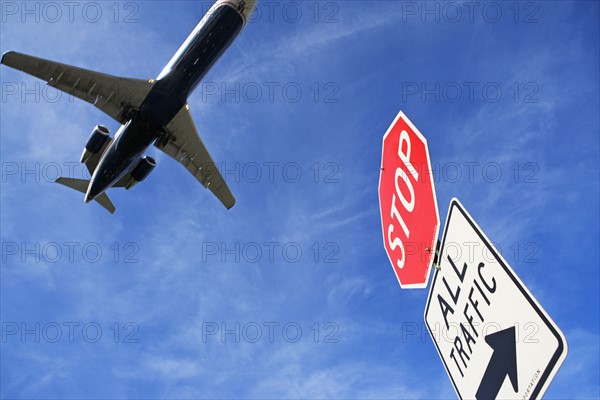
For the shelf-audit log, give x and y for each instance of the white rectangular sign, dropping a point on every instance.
(494, 338)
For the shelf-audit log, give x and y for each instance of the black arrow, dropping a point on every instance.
(502, 363)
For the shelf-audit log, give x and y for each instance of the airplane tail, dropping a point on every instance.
(81, 185)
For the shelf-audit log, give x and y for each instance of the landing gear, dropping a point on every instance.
(164, 138)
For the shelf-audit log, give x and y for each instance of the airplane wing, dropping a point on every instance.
(113, 95)
(185, 146)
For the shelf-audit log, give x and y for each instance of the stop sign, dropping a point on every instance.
(409, 214)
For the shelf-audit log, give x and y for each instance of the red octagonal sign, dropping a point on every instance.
(409, 212)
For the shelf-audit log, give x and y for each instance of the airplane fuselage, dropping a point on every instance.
(205, 45)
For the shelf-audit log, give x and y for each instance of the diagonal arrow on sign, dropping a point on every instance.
(502, 363)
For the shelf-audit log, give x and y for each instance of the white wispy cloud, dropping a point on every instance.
(173, 290)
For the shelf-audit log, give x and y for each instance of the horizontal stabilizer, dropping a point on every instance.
(81, 185)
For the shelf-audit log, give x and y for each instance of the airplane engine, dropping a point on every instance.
(141, 171)
(98, 140)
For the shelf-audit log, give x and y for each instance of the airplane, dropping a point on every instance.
(151, 111)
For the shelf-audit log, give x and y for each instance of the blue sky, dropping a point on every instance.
(302, 248)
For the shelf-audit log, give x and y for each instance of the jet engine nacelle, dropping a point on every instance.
(144, 167)
(98, 140)
(141, 171)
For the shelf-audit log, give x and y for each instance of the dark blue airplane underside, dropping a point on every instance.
(168, 95)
